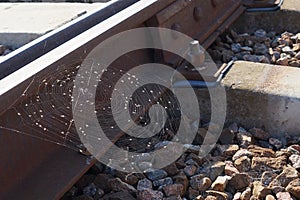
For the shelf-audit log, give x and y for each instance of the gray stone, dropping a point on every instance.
(260, 49)
(243, 164)
(259, 134)
(216, 170)
(190, 170)
(251, 58)
(295, 160)
(233, 127)
(200, 183)
(90, 190)
(236, 47)
(275, 42)
(72, 192)
(271, 34)
(249, 43)
(267, 177)
(149, 194)
(129, 178)
(285, 177)
(180, 163)
(227, 55)
(263, 59)
(172, 169)
(275, 142)
(277, 189)
(192, 193)
(260, 33)
(227, 136)
(228, 39)
(288, 50)
(163, 182)
(181, 179)
(99, 194)
(275, 56)
(144, 184)
(242, 130)
(145, 166)
(264, 144)
(239, 181)
(101, 181)
(173, 190)
(284, 41)
(191, 148)
(191, 162)
(241, 153)
(156, 174)
(83, 197)
(244, 139)
(118, 185)
(196, 158)
(246, 48)
(173, 198)
(118, 196)
(85, 180)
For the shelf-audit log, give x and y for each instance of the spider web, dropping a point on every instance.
(46, 114)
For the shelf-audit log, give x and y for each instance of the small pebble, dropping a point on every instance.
(275, 142)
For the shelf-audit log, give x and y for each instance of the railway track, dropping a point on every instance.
(41, 153)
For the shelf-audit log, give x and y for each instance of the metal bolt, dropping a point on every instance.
(198, 14)
(175, 27)
(196, 55)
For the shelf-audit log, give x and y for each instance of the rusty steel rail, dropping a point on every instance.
(35, 169)
(32, 168)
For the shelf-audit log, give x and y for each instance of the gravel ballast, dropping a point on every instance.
(255, 165)
(260, 46)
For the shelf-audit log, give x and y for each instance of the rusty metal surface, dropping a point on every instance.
(200, 19)
(33, 165)
(260, 3)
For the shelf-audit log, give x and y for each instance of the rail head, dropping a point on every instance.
(27, 83)
(28, 77)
